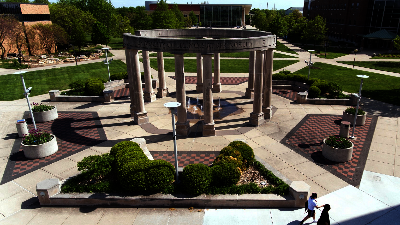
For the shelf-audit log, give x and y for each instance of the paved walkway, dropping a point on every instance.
(375, 201)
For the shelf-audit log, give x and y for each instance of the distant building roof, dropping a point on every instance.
(291, 9)
(381, 34)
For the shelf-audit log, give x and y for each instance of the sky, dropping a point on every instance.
(261, 4)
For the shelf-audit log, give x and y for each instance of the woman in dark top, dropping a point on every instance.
(324, 219)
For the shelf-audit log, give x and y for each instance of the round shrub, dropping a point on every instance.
(129, 155)
(225, 174)
(145, 176)
(311, 81)
(230, 151)
(196, 178)
(352, 111)
(94, 87)
(323, 85)
(123, 145)
(229, 159)
(245, 150)
(314, 92)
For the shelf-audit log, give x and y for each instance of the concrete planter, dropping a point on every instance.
(45, 116)
(42, 150)
(360, 121)
(337, 154)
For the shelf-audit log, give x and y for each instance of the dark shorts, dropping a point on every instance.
(311, 213)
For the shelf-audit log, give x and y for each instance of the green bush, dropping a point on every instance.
(81, 184)
(229, 159)
(279, 187)
(225, 174)
(196, 178)
(78, 86)
(145, 176)
(314, 92)
(119, 76)
(96, 166)
(94, 87)
(230, 151)
(123, 145)
(245, 150)
(352, 110)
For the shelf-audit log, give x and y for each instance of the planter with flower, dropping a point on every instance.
(44, 113)
(348, 115)
(38, 144)
(337, 149)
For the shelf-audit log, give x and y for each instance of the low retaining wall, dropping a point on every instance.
(302, 89)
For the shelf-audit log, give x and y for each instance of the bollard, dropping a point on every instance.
(22, 128)
(344, 129)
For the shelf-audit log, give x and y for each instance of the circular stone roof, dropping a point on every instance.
(192, 40)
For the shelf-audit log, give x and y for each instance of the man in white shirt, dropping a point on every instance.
(312, 205)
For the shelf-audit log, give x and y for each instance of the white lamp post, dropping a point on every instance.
(107, 63)
(358, 103)
(309, 63)
(173, 106)
(26, 94)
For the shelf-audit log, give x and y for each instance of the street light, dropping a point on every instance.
(107, 63)
(27, 91)
(173, 106)
(358, 103)
(309, 63)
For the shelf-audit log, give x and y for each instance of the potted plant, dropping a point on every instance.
(337, 149)
(349, 113)
(44, 113)
(38, 144)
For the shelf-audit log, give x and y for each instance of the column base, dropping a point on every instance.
(182, 129)
(161, 93)
(256, 119)
(249, 93)
(140, 118)
(209, 129)
(199, 88)
(149, 97)
(267, 112)
(216, 88)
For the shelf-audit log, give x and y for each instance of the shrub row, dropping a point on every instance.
(89, 87)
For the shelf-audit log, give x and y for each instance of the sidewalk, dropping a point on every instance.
(375, 201)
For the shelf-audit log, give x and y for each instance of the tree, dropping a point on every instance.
(193, 18)
(138, 17)
(396, 42)
(41, 1)
(8, 29)
(259, 20)
(49, 36)
(315, 30)
(162, 17)
(180, 19)
(74, 21)
(100, 35)
(278, 25)
(121, 25)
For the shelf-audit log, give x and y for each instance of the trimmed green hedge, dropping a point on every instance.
(196, 178)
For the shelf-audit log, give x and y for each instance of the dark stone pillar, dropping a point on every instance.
(182, 126)
(257, 116)
(209, 125)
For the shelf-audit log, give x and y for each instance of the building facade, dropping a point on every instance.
(212, 15)
(352, 20)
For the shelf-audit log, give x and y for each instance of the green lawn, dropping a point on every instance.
(281, 47)
(330, 55)
(42, 81)
(384, 66)
(116, 43)
(245, 55)
(379, 87)
(227, 65)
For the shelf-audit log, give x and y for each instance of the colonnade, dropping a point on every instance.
(259, 87)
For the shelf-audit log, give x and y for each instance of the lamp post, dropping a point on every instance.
(358, 103)
(309, 63)
(173, 106)
(355, 53)
(107, 63)
(27, 91)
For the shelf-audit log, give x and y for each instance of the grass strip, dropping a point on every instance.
(379, 87)
(283, 48)
(42, 81)
(382, 65)
(227, 65)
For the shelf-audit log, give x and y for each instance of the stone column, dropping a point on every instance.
(250, 90)
(135, 87)
(257, 116)
(162, 90)
(209, 125)
(149, 95)
(217, 75)
(267, 95)
(199, 85)
(182, 126)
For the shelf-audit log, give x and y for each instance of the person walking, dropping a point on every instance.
(312, 205)
(324, 219)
